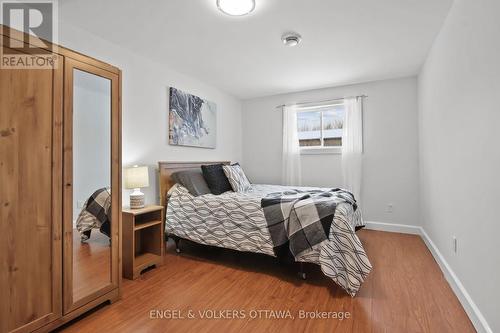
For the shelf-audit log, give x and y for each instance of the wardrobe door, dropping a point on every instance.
(91, 169)
(30, 196)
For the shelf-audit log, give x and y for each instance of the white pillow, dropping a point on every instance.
(239, 182)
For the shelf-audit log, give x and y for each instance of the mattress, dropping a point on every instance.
(234, 220)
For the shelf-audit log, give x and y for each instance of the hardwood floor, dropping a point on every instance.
(91, 264)
(405, 292)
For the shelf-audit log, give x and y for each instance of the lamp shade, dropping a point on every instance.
(136, 177)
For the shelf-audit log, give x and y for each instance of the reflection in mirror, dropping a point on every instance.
(91, 183)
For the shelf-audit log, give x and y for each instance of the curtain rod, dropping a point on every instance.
(318, 102)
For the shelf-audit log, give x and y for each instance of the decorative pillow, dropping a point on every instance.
(216, 179)
(193, 181)
(237, 178)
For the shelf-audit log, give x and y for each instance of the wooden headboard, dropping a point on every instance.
(166, 169)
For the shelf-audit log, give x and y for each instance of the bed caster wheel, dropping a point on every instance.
(302, 274)
(177, 241)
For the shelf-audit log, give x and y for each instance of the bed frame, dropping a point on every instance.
(166, 169)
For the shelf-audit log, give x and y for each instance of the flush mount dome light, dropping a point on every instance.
(291, 39)
(236, 7)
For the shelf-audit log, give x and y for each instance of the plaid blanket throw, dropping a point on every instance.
(95, 213)
(306, 222)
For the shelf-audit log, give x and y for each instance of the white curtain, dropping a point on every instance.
(291, 172)
(352, 145)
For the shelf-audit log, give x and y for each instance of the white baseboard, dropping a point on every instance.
(476, 317)
(392, 227)
(463, 296)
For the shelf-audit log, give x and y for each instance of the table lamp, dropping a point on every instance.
(135, 178)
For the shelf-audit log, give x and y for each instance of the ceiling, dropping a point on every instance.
(344, 41)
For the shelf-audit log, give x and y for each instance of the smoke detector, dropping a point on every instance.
(291, 39)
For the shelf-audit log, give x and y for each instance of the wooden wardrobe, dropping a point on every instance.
(51, 122)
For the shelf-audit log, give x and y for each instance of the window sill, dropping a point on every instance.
(321, 151)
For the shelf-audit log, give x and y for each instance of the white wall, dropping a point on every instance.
(390, 171)
(91, 134)
(145, 107)
(459, 134)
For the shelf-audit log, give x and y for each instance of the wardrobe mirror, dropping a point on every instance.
(91, 183)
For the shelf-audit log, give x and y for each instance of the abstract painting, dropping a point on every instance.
(192, 120)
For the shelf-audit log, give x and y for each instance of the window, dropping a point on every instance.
(321, 127)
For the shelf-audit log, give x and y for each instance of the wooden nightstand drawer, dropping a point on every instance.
(143, 239)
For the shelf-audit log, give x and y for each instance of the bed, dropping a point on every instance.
(95, 214)
(237, 221)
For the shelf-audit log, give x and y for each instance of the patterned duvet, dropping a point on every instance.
(235, 220)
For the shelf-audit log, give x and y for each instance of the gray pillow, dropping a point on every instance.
(216, 179)
(192, 180)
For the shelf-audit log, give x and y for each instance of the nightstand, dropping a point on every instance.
(143, 238)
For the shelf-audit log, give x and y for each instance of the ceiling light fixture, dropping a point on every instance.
(291, 39)
(236, 7)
